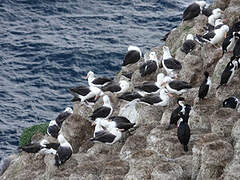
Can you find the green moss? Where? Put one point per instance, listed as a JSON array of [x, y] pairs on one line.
[[186, 29], [27, 133]]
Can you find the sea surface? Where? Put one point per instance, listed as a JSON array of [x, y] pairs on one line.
[[47, 46]]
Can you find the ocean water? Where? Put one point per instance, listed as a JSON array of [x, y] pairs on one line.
[[48, 46]]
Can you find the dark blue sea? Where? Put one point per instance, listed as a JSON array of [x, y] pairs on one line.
[[46, 46]]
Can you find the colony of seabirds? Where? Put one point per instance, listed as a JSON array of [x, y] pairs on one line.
[[108, 128]]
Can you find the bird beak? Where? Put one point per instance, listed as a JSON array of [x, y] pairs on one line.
[[94, 124], [225, 35], [121, 130], [85, 77], [221, 12], [170, 95], [96, 97], [224, 21]]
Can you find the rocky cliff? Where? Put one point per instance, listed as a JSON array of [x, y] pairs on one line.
[[152, 152]]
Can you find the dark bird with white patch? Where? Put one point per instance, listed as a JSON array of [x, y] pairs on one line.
[[64, 151], [97, 81], [133, 55], [229, 43], [205, 86], [170, 64], [189, 44], [116, 87], [55, 125], [193, 10], [160, 99], [231, 102], [150, 66], [103, 112], [228, 73], [130, 96]]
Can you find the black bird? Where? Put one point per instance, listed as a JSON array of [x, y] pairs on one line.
[[55, 125], [228, 72], [122, 122], [64, 151], [133, 55], [183, 132], [148, 68], [103, 112], [119, 119], [229, 42], [231, 102], [130, 96], [193, 10], [116, 87], [205, 86], [236, 49], [175, 114], [108, 136], [189, 44], [97, 81], [40, 147]]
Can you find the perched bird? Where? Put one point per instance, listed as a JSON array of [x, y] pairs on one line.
[[55, 125], [228, 73], [175, 113], [150, 87], [150, 66], [42, 147], [205, 86], [130, 96], [216, 14], [213, 37], [171, 65], [231, 102], [193, 10], [218, 23], [157, 100], [183, 132], [116, 87], [189, 44], [236, 49], [103, 112], [97, 82], [84, 93], [108, 136], [234, 28], [64, 151], [176, 86], [133, 55], [229, 43]]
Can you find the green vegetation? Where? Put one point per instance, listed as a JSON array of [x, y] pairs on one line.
[[27, 133], [186, 29]]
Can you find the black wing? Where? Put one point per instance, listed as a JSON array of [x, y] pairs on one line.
[[31, 148], [112, 87], [230, 102], [101, 112], [209, 35], [207, 11], [188, 46], [152, 99], [104, 137], [172, 63], [191, 12], [130, 96], [179, 85], [203, 89], [175, 115], [148, 68], [226, 42], [125, 126], [62, 117], [236, 50], [148, 87], [52, 145], [131, 57], [183, 133], [101, 80], [119, 119], [127, 74], [82, 90], [53, 130], [62, 155]]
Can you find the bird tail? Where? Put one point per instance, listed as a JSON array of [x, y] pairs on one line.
[[74, 99], [92, 139], [199, 39], [218, 86], [185, 148], [57, 160]]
